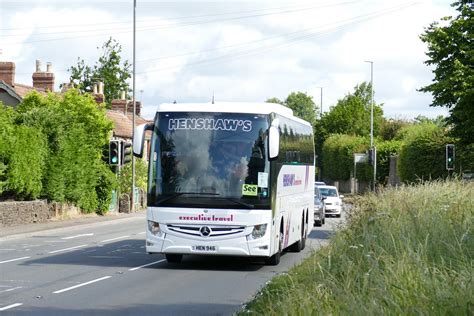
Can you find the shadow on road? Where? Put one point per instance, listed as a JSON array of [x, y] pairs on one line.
[[131, 253]]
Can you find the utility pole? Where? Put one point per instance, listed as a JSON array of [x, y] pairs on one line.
[[372, 119], [134, 105]]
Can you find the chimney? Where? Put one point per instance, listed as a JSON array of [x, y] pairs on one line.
[[138, 106], [7, 72], [119, 105], [43, 80], [98, 92]]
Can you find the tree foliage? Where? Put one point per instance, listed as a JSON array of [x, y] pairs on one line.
[[451, 53], [351, 114], [301, 104], [109, 69]]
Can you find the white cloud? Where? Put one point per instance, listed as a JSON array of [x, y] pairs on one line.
[[324, 46]]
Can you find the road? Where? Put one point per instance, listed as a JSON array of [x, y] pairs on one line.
[[102, 268]]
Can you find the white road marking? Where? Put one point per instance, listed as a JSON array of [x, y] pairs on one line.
[[146, 265], [66, 249], [77, 236], [82, 284], [17, 259], [10, 306], [12, 289], [141, 233], [116, 238]]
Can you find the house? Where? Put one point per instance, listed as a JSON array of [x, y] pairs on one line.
[[12, 93], [121, 113]]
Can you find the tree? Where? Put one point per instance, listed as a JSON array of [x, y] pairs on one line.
[[351, 115], [109, 69], [301, 104], [275, 100], [451, 52]]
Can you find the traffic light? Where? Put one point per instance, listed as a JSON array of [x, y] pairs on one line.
[[126, 152], [450, 157], [114, 153], [370, 157]]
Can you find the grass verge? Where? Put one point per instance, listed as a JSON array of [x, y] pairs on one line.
[[404, 251]]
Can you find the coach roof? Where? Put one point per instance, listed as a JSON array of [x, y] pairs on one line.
[[230, 107]]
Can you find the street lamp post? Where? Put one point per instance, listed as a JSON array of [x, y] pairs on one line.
[[372, 119], [134, 105], [321, 103]]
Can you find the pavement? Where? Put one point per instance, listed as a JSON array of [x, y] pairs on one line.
[[79, 221]]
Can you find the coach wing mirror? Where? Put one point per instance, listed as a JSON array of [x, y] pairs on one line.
[[274, 139], [139, 138]]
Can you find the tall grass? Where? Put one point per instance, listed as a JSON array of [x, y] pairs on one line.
[[404, 251]]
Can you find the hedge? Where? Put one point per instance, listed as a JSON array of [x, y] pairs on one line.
[[423, 154], [52, 147]]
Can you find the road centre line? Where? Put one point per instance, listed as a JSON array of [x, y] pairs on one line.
[[146, 265], [17, 259], [10, 306], [116, 238], [66, 249], [77, 236], [82, 284], [12, 289], [141, 233]]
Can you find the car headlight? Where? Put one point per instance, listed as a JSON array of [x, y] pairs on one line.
[[258, 231], [154, 227]]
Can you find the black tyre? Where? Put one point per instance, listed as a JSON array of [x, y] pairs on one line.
[[318, 223], [300, 244], [304, 229], [275, 259], [173, 258]]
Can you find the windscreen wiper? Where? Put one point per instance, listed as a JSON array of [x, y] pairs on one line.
[[172, 196]]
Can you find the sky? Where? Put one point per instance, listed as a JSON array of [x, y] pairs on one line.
[[190, 51]]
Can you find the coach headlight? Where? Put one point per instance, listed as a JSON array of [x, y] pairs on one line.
[[154, 227], [258, 231]]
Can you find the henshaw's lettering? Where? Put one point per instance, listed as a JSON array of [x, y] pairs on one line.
[[209, 124], [208, 218]]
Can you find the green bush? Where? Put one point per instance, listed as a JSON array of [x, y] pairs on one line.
[[25, 169], [423, 154], [23, 153], [125, 178], [338, 157], [77, 131], [386, 149]]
